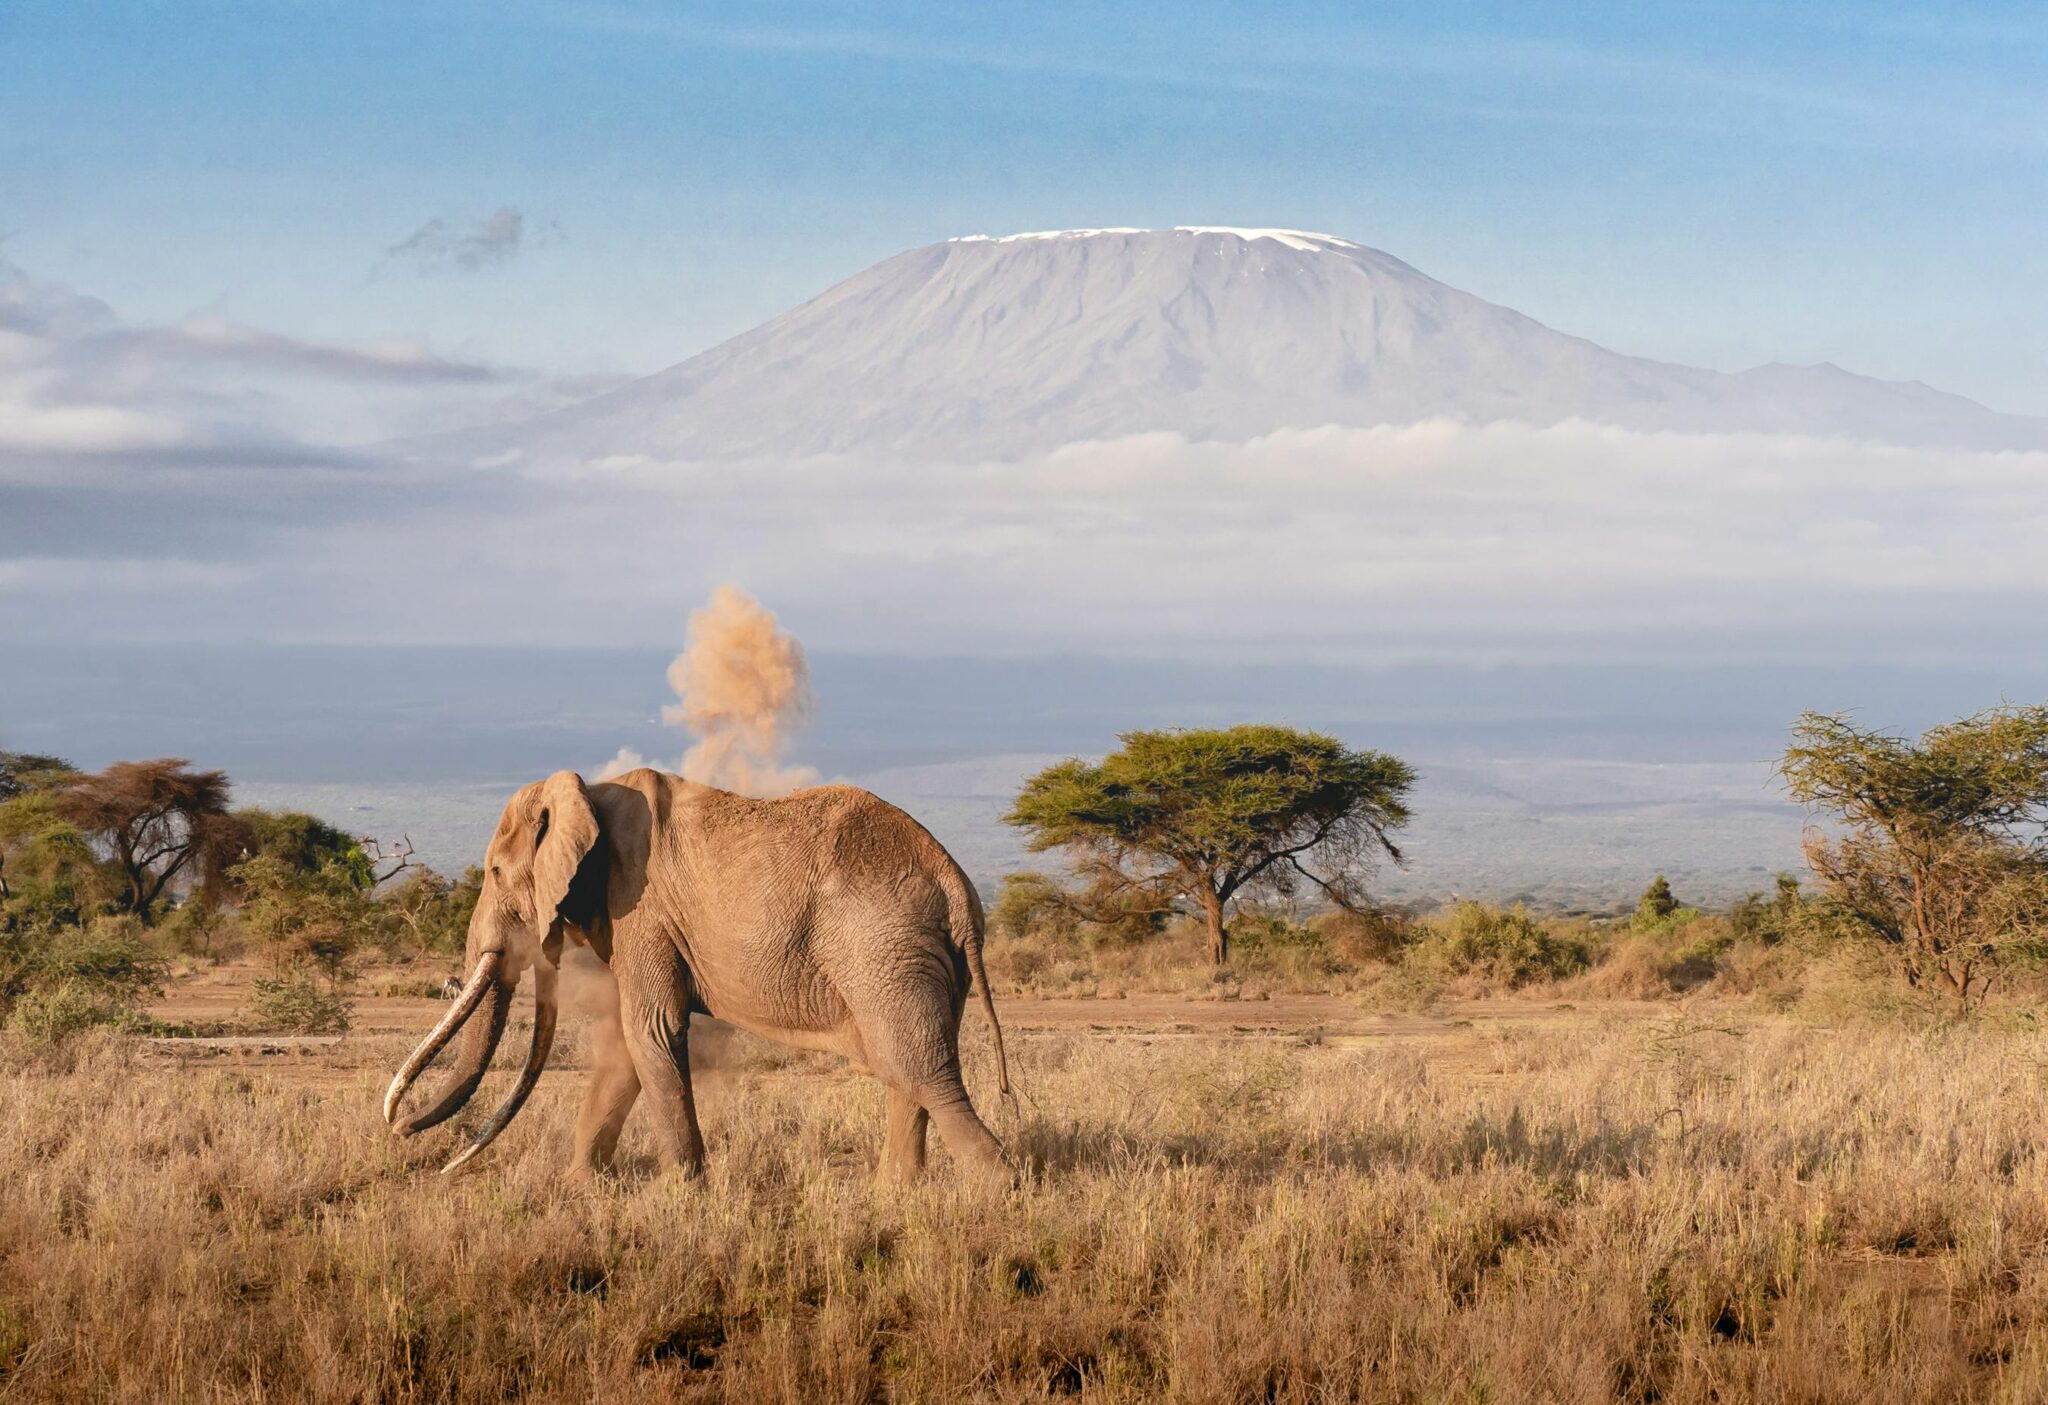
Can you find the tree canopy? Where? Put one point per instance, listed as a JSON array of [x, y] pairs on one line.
[[155, 821], [1205, 814], [1940, 853], [303, 843]]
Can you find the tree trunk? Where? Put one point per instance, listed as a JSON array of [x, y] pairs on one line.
[[1219, 940]]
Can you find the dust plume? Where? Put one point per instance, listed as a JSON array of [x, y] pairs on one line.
[[742, 689]]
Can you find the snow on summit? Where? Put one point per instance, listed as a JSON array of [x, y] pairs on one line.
[[1292, 238], [989, 347]]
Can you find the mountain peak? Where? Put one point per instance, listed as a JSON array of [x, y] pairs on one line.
[[990, 347]]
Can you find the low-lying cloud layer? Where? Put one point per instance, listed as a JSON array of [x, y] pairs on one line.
[[1435, 539]]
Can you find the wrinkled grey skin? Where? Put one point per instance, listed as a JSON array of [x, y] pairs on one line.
[[825, 920]]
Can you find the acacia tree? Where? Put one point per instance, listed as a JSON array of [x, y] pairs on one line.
[[1941, 851], [1204, 815], [154, 821]]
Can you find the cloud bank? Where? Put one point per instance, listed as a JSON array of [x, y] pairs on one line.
[[1429, 540]]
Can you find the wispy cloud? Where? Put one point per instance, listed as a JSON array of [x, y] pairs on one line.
[[217, 340], [437, 247], [1533, 78], [202, 441], [78, 380]]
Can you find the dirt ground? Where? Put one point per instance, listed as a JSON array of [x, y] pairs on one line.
[[1456, 1038]]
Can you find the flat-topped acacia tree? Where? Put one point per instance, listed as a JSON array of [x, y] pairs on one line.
[[1205, 814]]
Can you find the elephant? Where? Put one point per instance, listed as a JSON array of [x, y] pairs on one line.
[[828, 919]]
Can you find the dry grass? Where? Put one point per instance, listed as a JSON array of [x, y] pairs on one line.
[[1583, 1210]]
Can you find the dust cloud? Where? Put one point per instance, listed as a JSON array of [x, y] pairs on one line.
[[743, 688], [742, 691]]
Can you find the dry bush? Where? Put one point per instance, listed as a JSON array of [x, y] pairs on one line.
[[1329, 953], [1597, 1211], [1475, 949], [1666, 961], [296, 1001]]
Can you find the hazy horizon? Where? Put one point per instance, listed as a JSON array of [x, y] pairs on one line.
[[1569, 785]]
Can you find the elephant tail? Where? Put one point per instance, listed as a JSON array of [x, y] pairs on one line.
[[968, 929]]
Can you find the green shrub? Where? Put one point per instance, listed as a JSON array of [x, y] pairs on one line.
[[425, 913], [1657, 902], [1768, 920], [58, 979], [1659, 913], [1504, 945], [1032, 904], [54, 1012], [109, 953], [196, 929], [1364, 938], [297, 1001], [294, 917], [303, 844]]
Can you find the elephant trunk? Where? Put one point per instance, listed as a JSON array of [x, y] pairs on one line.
[[545, 1007], [488, 990]]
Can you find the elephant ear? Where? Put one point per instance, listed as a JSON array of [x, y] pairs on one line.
[[567, 830]]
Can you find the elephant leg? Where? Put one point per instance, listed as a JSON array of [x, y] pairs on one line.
[[960, 1127], [903, 1145], [614, 1084], [916, 1052], [654, 1014]]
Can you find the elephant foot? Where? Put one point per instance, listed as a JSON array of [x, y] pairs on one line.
[[688, 1168], [998, 1173]]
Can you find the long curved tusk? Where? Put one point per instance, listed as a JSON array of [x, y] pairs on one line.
[[544, 1009], [480, 982]]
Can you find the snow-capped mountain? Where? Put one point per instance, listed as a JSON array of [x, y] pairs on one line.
[[986, 347]]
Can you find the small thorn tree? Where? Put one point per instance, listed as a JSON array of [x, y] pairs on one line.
[[1657, 901], [1206, 814]]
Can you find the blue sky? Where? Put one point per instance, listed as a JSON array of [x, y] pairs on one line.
[[1720, 183]]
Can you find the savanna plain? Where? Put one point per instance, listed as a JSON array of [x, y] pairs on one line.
[[1641, 1173]]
